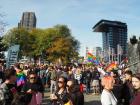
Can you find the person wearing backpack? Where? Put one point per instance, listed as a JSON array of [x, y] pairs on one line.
[[8, 88]]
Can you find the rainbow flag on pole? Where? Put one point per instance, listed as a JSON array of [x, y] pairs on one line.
[[91, 58], [111, 66], [21, 78]]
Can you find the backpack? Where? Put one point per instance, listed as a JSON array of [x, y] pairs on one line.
[[2, 98], [1, 94]]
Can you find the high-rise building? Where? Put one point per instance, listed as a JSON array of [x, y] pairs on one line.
[[114, 35], [28, 20], [98, 52], [87, 50]]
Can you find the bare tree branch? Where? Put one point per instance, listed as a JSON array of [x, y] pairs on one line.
[[3, 24]]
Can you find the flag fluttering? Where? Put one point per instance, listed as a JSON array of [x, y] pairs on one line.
[[111, 66], [91, 58], [21, 78]]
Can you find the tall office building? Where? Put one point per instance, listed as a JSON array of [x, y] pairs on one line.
[[87, 50], [28, 20], [114, 35], [98, 52]]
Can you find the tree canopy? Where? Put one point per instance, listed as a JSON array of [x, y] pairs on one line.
[[56, 43], [3, 48]]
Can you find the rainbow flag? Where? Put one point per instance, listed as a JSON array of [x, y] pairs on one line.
[[93, 59], [21, 78], [111, 66]]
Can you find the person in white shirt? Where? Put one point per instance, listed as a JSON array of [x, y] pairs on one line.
[[107, 96]]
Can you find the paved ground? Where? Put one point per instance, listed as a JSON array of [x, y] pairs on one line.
[[89, 99]]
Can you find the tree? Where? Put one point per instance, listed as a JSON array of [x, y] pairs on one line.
[[19, 36], [2, 23], [133, 54], [2, 45], [52, 44], [133, 40], [64, 47], [39, 43], [2, 48]]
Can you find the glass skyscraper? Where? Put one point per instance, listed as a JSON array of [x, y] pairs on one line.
[[114, 35]]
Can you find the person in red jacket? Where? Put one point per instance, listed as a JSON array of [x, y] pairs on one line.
[[136, 85]]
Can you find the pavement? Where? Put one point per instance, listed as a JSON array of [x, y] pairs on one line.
[[89, 99]]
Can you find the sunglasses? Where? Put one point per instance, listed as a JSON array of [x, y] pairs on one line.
[[33, 78], [60, 82]]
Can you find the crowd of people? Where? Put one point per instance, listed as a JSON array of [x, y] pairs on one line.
[[25, 85]]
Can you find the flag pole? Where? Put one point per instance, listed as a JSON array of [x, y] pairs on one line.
[[109, 54], [118, 49], [112, 55]]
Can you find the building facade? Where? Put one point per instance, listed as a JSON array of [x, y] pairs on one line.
[[114, 35], [99, 52], [28, 21]]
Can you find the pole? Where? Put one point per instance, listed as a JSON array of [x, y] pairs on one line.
[[109, 54], [112, 55], [118, 54]]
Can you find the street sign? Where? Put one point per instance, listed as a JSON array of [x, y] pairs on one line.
[[12, 55]]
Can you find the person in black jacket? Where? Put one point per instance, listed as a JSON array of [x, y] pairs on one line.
[[117, 88], [75, 95], [127, 89], [88, 77], [33, 85], [95, 81], [1, 75]]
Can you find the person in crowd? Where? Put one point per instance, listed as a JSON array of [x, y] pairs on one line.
[[65, 72], [88, 77], [107, 96], [136, 85], [78, 75], [127, 89], [59, 72], [34, 87], [48, 76], [76, 96], [61, 96], [95, 79], [53, 80], [21, 98], [36, 69], [70, 74], [25, 70], [83, 75], [8, 87], [21, 77], [1, 74], [42, 74], [117, 88]]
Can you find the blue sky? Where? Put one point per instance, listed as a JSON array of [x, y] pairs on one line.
[[79, 15]]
